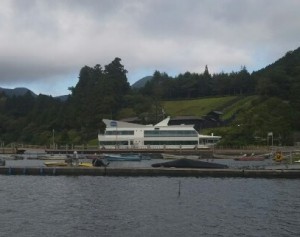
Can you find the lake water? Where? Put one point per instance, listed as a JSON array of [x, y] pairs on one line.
[[148, 206]]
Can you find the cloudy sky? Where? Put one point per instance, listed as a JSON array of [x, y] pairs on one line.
[[45, 43]]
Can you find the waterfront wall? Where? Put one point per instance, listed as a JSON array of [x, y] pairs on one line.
[[175, 172]]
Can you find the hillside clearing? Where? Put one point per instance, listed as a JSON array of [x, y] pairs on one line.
[[197, 107]]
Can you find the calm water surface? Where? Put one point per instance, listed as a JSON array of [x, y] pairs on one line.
[[148, 206]]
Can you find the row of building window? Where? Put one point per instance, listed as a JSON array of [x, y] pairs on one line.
[[156, 133], [116, 132], [193, 142], [208, 141], [168, 133], [113, 143]]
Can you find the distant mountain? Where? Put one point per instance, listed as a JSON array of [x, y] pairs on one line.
[[287, 65], [281, 78], [141, 83], [19, 91]]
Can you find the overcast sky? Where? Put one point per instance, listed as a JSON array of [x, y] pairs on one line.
[[45, 43]]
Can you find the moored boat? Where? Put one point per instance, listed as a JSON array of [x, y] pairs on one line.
[[85, 164], [55, 164], [189, 163], [122, 157], [98, 162], [92, 157], [73, 161], [80, 164]]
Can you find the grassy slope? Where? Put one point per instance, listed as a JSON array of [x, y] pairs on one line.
[[197, 107], [239, 104]]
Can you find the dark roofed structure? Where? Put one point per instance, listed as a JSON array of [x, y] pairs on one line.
[[132, 120], [188, 120], [212, 119], [215, 113]]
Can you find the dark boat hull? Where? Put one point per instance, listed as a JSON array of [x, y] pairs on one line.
[[188, 163]]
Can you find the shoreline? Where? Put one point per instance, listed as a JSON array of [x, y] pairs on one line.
[[284, 171]]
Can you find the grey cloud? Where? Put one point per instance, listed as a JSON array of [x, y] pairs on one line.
[[50, 39]]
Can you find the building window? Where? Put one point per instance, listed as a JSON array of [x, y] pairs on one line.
[[119, 132], [113, 143], [192, 142], [168, 133]]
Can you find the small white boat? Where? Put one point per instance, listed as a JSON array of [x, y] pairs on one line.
[[65, 164]]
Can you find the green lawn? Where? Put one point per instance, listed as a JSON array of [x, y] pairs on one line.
[[196, 107], [244, 102]]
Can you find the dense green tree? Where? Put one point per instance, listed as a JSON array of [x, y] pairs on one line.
[[104, 92], [255, 122]]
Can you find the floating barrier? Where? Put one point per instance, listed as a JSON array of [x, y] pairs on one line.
[[176, 172]]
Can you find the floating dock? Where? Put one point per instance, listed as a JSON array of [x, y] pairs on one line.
[[154, 172]]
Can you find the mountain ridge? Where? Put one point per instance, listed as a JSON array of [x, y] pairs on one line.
[[141, 82], [20, 91]]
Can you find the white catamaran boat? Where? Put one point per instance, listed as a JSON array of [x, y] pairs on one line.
[[125, 135]]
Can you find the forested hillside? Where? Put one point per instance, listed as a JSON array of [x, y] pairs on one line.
[[104, 92]]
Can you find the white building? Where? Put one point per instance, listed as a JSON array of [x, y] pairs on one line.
[[160, 136]]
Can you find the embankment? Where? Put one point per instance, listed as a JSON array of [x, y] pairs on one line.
[[175, 172]]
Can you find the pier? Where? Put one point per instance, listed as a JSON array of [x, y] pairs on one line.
[[151, 172], [137, 151]]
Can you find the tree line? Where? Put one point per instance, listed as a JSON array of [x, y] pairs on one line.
[[195, 85], [104, 92]]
